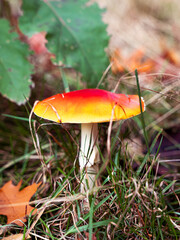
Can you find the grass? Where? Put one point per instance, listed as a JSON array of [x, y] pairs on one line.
[[132, 201], [129, 208]]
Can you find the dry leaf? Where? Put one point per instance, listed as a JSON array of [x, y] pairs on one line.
[[137, 60], [117, 62], [15, 237], [171, 56], [93, 236], [14, 203], [15, 6]]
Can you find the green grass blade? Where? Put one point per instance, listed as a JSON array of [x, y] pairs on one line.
[[142, 114], [65, 82], [18, 118], [94, 225], [91, 213], [13, 162], [168, 186], [148, 154]]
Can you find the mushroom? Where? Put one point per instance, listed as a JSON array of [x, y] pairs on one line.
[[89, 107]]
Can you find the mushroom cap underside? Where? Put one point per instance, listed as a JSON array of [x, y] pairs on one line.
[[88, 106]]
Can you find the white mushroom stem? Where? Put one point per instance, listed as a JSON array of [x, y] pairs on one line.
[[89, 155]]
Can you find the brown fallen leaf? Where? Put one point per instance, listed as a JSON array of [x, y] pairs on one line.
[[137, 60], [170, 54], [93, 236], [15, 204], [118, 65], [15, 237]]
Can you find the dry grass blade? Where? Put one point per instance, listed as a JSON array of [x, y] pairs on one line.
[[136, 192], [163, 117], [176, 226]]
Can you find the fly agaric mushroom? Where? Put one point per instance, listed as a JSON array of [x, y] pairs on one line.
[[88, 107]]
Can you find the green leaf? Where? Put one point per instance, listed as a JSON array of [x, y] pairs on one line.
[[76, 34], [15, 70], [36, 17]]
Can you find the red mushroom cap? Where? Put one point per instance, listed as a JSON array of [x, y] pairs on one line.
[[88, 106]]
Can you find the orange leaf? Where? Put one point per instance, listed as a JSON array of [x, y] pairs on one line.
[[14, 203], [15, 237], [137, 60], [117, 62], [171, 56]]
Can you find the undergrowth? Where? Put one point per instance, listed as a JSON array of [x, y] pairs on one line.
[[132, 200], [137, 196]]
